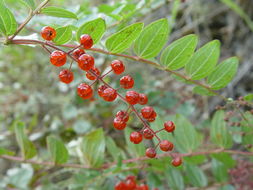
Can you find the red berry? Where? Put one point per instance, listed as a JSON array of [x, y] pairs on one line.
[[119, 123], [58, 58], [147, 133], [86, 41], [123, 115], [77, 53], [101, 90], [166, 145], [143, 187], [177, 161], [120, 186], [109, 94], [135, 137], [86, 62], [131, 177], [152, 117], [132, 97], [66, 76], [169, 126], [130, 184], [143, 99], [126, 82], [84, 91], [48, 33], [147, 112], [151, 153], [117, 67], [90, 76]]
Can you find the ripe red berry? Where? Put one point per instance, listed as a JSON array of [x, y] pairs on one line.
[[86, 41], [66, 76], [147, 112], [152, 117], [123, 115], [120, 186], [90, 75], [130, 184], [84, 91], [117, 67], [109, 94], [147, 133], [58, 58], [135, 137], [166, 145], [86, 62], [143, 99], [48, 33], [142, 187], [126, 82], [177, 161], [77, 53], [169, 126], [151, 153], [119, 123], [101, 90], [132, 97], [131, 177]]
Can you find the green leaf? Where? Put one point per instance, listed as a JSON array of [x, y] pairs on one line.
[[112, 148], [8, 24], [63, 35], [202, 91], [28, 3], [152, 39], [4, 151], [58, 12], [123, 39], [219, 170], [219, 131], [177, 54], [225, 158], [93, 148], [57, 150], [175, 179], [248, 97], [203, 61], [196, 175], [95, 28], [27, 148], [223, 73]]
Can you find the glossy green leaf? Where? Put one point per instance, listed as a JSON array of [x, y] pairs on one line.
[[219, 170], [93, 148], [223, 73], [203, 61], [28, 3], [58, 12], [57, 149], [63, 35], [196, 175], [123, 39], [178, 53], [4, 151], [95, 28], [8, 24], [152, 39], [202, 91], [175, 179], [219, 131], [27, 148]]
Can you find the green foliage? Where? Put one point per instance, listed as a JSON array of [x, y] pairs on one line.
[[57, 149], [152, 39], [8, 24], [28, 3], [58, 12], [95, 28], [63, 35], [4, 151], [27, 148], [175, 179], [196, 176], [202, 91], [123, 39]]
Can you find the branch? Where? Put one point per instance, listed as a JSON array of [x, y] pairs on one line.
[[133, 160]]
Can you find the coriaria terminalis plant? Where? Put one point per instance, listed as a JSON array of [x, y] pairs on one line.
[[173, 141]]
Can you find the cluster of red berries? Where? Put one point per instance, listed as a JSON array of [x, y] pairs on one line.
[[86, 63], [130, 183]]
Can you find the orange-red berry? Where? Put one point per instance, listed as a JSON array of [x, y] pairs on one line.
[[117, 67], [147, 133], [84, 91], [132, 97], [169, 126], [86, 62], [86, 41], [66, 76], [120, 186], [143, 99], [90, 75], [101, 90], [136, 137], [147, 112], [166, 145], [48, 33], [142, 187], [77, 53], [126, 82], [177, 161], [119, 123], [109, 94], [151, 153], [58, 58], [122, 114]]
